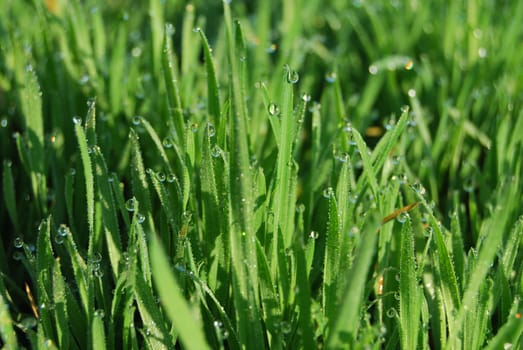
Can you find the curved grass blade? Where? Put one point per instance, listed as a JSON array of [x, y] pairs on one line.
[[178, 310]]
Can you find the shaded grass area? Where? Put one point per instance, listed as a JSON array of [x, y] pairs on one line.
[[305, 174]]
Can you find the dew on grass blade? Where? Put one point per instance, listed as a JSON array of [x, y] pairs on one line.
[[3, 122], [160, 177], [130, 204], [328, 192], [373, 69], [216, 151], [167, 142], [140, 218], [305, 97], [18, 242], [314, 235], [402, 217], [137, 120], [211, 130], [331, 77], [77, 120], [171, 178], [273, 109]]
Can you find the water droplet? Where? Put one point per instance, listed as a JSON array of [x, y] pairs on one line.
[[196, 29], [273, 109], [285, 327], [99, 313], [353, 198], [18, 242], [216, 151], [419, 188], [300, 208], [187, 215], [160, 177], [305, 97], [169, 28], [404, 109], [84, 79], [171, 178], [62, 230], [140, 218], [98, 273], [328, 192], [59, 239], [72, 171], [314, 235], [211, 130], [77, 120], [482, 52], [469, 184], [402, 179], [341, 156], [3, 122], [331, 77], [411, 93], [396, 160], [167, 142], [373, 69], [291, 75], [409, 65], [137, 120], [130, 204], [402, 217], [271, 49], [194, 127]]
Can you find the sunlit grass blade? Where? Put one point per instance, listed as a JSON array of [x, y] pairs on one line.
[[346, 320], [332, 260], [8, 186], [179, 312]]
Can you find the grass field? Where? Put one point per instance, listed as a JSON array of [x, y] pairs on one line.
[[296, 174]]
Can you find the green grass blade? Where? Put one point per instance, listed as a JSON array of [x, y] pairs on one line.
[[88, 173], [332, 260], [213, 93], [8, 185], [410, 297], [346, 321], [178, 310], [7, 333]]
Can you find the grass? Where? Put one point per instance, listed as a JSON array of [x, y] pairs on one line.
[[261, 175]]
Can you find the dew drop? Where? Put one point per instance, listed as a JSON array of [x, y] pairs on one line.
[[194, 127], [402, 179], [273, 109], [99, 313], [469, 184], [305, 97], [216, 151], [391, 313], [167, 142], [411, 93], [211, 130], [402, 217], [196, 29], [62, 230], [171, 178], [482, 52], [18, 255], [77, 120], [169, 28], [293, 77], [84, 79], [331, 77], [160, 177], [137, 120], [314, 235], [140, 218], [18, 242], [341, 156], [328, 192], [404, 109], [419, 188], [130, 204], [59, 239], [409, 65], [373, 69], [72, 171], [3, 122], [271, 49]]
